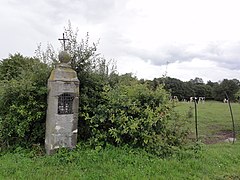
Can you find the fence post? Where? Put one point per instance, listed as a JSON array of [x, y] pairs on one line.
[[196, 124], [233, 124]]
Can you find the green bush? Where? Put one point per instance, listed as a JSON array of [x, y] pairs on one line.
[[125, 113], [139, 117], [23, 101]]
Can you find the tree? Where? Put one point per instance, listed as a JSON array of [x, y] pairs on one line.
[[226, 86], [210, 83], [175, 87], [203, 90], [172, 85], [208, 92], [11, 67], [197, 80], [237, 96], [188, 89]]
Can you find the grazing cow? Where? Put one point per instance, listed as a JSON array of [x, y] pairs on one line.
[[202, 99], [191, 99], [196, 99], [175, 98], [225, 100]]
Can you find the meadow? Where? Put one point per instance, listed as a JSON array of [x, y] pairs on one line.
[[212, 158], [214, 120]]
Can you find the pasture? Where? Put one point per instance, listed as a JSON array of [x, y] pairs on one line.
[[214, 120], [214, 160]]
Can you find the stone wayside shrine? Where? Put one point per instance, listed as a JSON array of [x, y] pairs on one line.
[[62, 111]]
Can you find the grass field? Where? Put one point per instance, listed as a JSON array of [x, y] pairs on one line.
[[218, 160], [214, 120]]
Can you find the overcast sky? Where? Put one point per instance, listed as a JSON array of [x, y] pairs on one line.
[[185, 38]]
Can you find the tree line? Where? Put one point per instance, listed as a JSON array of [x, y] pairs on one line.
[[197, 88]]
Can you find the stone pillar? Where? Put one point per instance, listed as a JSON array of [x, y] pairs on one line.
[[62, 112]]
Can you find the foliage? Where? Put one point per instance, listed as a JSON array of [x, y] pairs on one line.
[[197, 80], [226, 86], [190, 112], [237, 95], [48, 57], [175, 86], [23, 97], [135, 115]]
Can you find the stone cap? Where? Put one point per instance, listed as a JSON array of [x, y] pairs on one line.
[[64, 57], [63, 71]]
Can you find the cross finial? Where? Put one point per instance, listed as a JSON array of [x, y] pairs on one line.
[[64, 40]]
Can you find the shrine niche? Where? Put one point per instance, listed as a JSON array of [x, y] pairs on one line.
[[65, 103]]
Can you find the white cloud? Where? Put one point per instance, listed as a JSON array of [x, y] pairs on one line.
[[203, 69]]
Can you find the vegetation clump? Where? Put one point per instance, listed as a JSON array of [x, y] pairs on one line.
[[139, 117], [23, 103]]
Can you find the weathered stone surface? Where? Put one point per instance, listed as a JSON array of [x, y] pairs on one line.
[[61, 129], [64, 57]]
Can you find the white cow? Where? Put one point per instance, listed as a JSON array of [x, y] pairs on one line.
[[202, 99], [225, 100], [175, 98], [191, 99]]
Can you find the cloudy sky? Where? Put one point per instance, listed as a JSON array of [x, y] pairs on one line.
[[183, 38]]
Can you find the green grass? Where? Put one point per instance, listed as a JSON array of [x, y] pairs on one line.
[[214, 161], [214, 119]]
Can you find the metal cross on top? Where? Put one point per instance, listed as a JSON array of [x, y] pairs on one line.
[[64, 40]]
